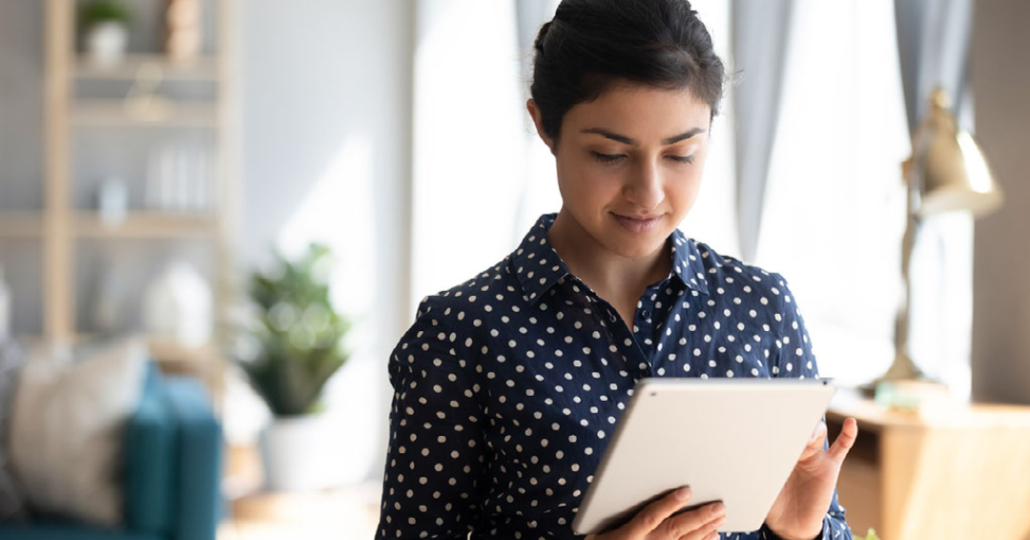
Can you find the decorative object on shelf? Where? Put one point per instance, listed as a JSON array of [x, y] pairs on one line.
[[105, 26], [293, 347], [183, 29], [946, 172], [108, 303], [143, 100], [177, 306], [113, 202], [5, 308], [179, 180]]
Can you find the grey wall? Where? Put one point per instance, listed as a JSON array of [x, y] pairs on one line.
[[314, 76], [1001, 304], [21, 143]]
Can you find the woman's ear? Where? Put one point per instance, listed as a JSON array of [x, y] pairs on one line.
[[534, 112]]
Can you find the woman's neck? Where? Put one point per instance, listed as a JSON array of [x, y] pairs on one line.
[[614, 277]]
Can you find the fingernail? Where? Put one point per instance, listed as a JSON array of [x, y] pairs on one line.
[[718, 508], [683, 493]]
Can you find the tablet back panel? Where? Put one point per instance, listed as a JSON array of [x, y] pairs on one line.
[[731, 440]]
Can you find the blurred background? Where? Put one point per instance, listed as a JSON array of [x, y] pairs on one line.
[[218, 216]]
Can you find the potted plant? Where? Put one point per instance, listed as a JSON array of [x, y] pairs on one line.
[[105, 27], [297, 339]]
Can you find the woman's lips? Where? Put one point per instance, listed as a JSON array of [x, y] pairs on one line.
[[637, 225]]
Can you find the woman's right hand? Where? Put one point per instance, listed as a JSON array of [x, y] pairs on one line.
[[656, 521]]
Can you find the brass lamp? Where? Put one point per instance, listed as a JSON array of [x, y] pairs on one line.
[[946, 172]]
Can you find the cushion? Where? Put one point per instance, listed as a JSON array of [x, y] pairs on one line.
[[67, 427], [12, 499]]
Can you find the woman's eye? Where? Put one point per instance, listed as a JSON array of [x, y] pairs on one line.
[[608, 158], [615, 158], [683, 159]]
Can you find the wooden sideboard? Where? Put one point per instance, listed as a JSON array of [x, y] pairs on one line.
[[951, 471]]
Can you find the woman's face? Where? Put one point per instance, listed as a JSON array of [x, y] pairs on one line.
[[630, 163]]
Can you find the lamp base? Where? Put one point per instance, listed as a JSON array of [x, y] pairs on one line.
[[903, 369]]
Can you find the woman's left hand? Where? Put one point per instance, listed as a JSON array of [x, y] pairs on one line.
[[804, 500]]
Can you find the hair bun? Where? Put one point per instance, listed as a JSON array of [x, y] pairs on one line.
[[539, 43]]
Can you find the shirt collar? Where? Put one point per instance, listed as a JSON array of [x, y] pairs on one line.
[[538, 266], [687, 264]]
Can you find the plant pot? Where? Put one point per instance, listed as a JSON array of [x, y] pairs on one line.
[[106, 42], [303, 453]]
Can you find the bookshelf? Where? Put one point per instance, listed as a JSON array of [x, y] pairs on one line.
[[63, 223]]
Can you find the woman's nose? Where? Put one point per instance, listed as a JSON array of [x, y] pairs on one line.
[[645, 187]]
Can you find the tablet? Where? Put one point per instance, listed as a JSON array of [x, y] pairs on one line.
[[734, 440]]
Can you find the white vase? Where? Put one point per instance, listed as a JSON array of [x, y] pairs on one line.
[[303, 453], [178, 305], [105, 43]]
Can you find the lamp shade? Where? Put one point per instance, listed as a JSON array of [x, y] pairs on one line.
[[955, 175]]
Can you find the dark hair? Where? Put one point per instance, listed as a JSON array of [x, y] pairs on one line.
[[592, 45]]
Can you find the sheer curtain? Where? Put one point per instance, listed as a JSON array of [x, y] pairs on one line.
[[834, 211], [469, 140]]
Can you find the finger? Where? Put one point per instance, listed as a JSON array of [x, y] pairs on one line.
[[700, 521], [711, 536], [652, 516], [846, 440], [704, 530], [705, 534]]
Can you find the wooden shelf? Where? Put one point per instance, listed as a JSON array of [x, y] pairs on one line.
[[150, 66], [60, 225], [148, 225], [121, 113], [21, 224], [907, 470]]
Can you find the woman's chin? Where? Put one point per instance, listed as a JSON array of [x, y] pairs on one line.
[[636, 248]]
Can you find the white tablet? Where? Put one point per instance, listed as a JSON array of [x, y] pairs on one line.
[[734, 440]]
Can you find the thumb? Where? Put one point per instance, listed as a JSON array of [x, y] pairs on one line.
[[815, 443]]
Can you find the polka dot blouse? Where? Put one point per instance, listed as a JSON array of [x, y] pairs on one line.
[[508, 387]]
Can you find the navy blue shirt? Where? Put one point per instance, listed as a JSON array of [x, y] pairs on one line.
[[508, 387]]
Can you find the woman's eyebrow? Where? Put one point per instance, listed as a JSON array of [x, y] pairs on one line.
[[633, 142]]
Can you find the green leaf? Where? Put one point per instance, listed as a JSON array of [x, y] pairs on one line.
[[871, 535], [100, 11], [299, 333]]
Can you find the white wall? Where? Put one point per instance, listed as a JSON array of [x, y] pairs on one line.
[[326, 156]]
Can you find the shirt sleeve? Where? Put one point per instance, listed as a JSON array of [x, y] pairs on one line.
[[436, 447], [795, 357]]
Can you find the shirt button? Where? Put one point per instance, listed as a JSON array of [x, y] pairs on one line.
[[645, 314]]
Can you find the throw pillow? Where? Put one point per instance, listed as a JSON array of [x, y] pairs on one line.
[[12, 500], [67, 427]]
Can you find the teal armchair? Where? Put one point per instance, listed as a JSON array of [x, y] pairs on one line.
[[172, 468]]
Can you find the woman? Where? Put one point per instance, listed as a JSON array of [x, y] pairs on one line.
[[508, 387]]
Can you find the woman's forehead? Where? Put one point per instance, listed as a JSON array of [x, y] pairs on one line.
[[641, 112]]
